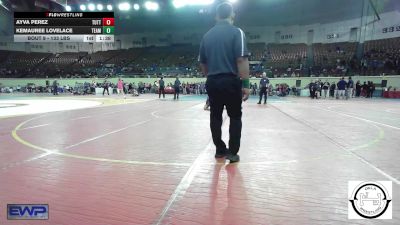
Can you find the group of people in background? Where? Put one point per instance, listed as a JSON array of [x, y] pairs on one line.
[[179, 87], [342, 89], [159, 87]]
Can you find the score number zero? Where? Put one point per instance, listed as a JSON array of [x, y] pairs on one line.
[[107, 23], [103, 22]]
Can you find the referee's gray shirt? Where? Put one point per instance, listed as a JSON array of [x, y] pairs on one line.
[[221, 46]]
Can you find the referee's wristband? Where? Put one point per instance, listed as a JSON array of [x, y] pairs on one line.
[[246, 83]]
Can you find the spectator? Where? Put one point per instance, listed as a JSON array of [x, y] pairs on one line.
[[358, 89], [325, 87], [350, 86], [332, 90], [55, 87], [177, 86], [342, 88]]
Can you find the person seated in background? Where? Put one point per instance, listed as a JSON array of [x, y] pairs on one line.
[[67, 89], [294, 90], [130, 88]]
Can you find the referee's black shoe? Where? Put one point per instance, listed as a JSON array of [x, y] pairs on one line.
[[233, 158], [221, 153]]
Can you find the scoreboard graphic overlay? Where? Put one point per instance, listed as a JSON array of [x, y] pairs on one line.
[[63, 26]]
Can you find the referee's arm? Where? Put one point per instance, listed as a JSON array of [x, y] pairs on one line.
[[203, 60], [243, 67], [204, 69], [242, 60]]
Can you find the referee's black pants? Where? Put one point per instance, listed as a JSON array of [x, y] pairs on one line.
[[225, 90], [263, 91], [161, 91], [106, 89], [176, 93]]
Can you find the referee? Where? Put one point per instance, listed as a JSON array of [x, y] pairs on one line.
[[224, 59], [264, 82], [161, 87]]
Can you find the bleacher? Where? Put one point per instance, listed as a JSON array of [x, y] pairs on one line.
[[151, 57], [19, 60], [257, 51], [4, 55], [65, 58], [123, 57], [333, 53], [332, 58], [381, 49], [180, 55], [284, 55], [98, 58], [382, 56]]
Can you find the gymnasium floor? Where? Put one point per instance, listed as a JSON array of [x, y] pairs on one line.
[[147, 161]]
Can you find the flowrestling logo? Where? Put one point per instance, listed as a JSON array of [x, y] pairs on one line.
[[370, 200], [27, 212]]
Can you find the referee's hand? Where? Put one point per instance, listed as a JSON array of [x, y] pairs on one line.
[[246, 93]]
